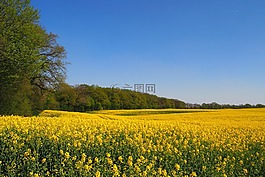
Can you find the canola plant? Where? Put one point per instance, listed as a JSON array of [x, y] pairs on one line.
[[183, 143]]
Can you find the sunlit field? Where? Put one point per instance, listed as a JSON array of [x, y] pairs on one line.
[[123, 143]]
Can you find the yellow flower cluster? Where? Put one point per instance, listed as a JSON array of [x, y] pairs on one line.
[[131, 143]]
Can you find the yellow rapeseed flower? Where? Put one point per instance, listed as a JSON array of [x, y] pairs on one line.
[[177, 166], [193, 174], [67, 155], [96, 160], [98, 174], [120, 158], [108, 154], [61, 152]]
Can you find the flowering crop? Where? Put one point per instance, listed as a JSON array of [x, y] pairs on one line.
[[123, 143]]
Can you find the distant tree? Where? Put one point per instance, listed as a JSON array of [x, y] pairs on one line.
[[248, 106], [98, 106], [226, 106], [101, 97], [141, 101], [84, 102], [152, 102], [66, 96], [126, 100], [179, 104], [215, 105], [51, 102], [114, 100], [260, 106]]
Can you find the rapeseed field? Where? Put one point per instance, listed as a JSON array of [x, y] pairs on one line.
[[184, 143]]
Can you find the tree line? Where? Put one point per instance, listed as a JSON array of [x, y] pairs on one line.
[[83, 98], [215, 105]]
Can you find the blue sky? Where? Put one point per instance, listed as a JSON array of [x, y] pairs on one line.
[[193, 50]]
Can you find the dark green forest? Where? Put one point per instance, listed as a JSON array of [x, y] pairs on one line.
[[83, 98]]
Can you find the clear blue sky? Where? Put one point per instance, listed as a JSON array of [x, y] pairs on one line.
[[193, 50]]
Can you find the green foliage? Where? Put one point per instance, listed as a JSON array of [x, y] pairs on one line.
[[21, 38], [83, 98], [29, 58], [67, 97], [15, 100]]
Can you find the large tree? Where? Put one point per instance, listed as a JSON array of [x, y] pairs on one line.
[[29, 57]]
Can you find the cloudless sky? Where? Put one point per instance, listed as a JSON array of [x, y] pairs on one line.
[[193, 50]]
